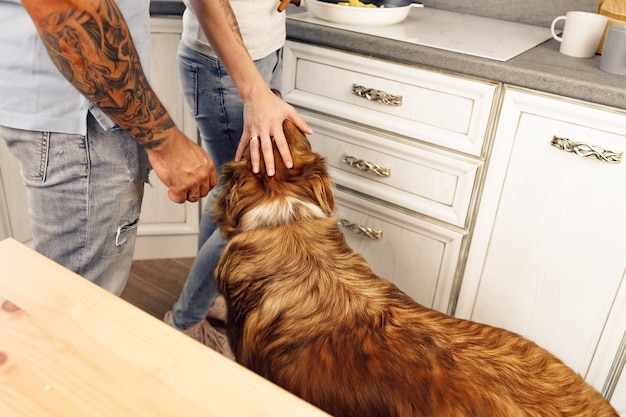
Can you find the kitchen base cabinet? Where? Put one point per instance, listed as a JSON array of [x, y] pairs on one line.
[[167, 229], [548, 255], [405, 146]]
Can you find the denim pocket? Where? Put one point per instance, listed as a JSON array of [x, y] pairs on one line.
[[32, 151], [189, 80]]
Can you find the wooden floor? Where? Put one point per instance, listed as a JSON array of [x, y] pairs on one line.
[[154, 285]]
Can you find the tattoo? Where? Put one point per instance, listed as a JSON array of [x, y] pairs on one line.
[[93, 49], [232, 20]]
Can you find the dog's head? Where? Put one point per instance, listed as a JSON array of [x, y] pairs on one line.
[[249, 201]]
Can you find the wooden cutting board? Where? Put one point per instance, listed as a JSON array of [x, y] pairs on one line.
[[70, 349], [615, 10]]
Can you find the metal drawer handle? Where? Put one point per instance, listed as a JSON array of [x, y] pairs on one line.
[[378, 96], [365, 166], [582, 149], [361, 230]]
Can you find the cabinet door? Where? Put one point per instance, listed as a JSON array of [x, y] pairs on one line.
[[167, 229], [549, 249], [418, 256]]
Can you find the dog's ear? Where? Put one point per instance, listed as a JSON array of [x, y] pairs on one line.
[[226, 208], [310, 167], [323, 190]]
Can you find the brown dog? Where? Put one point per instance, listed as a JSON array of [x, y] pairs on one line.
[[307, 313]]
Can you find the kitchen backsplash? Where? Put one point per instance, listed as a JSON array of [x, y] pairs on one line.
[[533, 12]]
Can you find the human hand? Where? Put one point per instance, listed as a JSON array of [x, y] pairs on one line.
[[264, 114], [184, 167]]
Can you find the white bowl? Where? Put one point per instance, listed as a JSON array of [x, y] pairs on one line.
[[359, 16]]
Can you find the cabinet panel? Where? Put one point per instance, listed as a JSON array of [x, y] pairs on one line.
[[445, 110], [433, 183], [14, 220], [167, 229], [549, 250], [418, 256]]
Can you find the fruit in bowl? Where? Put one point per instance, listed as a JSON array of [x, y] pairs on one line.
[[357, 3]]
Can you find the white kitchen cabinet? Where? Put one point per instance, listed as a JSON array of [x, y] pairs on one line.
[[548, 254], [167, 229], [14, 220], [405, 147]]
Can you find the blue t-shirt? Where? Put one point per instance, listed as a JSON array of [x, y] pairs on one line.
[[34, 95]]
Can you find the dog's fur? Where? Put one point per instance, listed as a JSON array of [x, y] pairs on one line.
[[307, 313]]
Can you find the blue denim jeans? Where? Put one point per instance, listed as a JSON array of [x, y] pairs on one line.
[[84, 196], [218, 110]]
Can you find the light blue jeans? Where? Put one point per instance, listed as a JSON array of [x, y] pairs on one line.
[[218, 110], [84, 196]]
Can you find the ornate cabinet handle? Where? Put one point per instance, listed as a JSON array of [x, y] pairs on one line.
[[378, 96], [365, 166], [361, 230], [582, 149]]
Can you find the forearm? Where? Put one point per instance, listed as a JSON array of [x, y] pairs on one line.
[[264, 112], [221, 29], [91, 45]]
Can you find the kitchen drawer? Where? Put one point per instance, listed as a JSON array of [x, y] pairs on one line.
[[419, 257], [445, 110], [427, 181]]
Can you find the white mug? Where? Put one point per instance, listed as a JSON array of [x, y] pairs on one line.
[[581, 34]]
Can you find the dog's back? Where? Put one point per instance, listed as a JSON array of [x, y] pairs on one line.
[[307, 313]]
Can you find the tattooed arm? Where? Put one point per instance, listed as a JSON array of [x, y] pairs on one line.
[[264, 112], [90, 43]]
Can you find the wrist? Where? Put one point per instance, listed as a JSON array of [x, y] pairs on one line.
[[253, 87], [162, 140]]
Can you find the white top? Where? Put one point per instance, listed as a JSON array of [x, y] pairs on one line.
[[262, 27], [34, 95]]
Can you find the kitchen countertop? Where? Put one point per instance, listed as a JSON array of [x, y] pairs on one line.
[[542, 68], [166, 8]]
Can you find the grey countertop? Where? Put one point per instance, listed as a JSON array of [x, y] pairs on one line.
[[166, 7], [542, 68]]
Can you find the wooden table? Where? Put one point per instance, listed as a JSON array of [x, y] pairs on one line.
[[69, 348]]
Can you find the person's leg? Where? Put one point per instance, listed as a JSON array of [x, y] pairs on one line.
[[199, 292], [217, 108], [214, 102], [201, 78], [84, 197]]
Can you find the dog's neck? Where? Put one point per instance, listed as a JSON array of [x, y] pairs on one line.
[[280, 212]]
